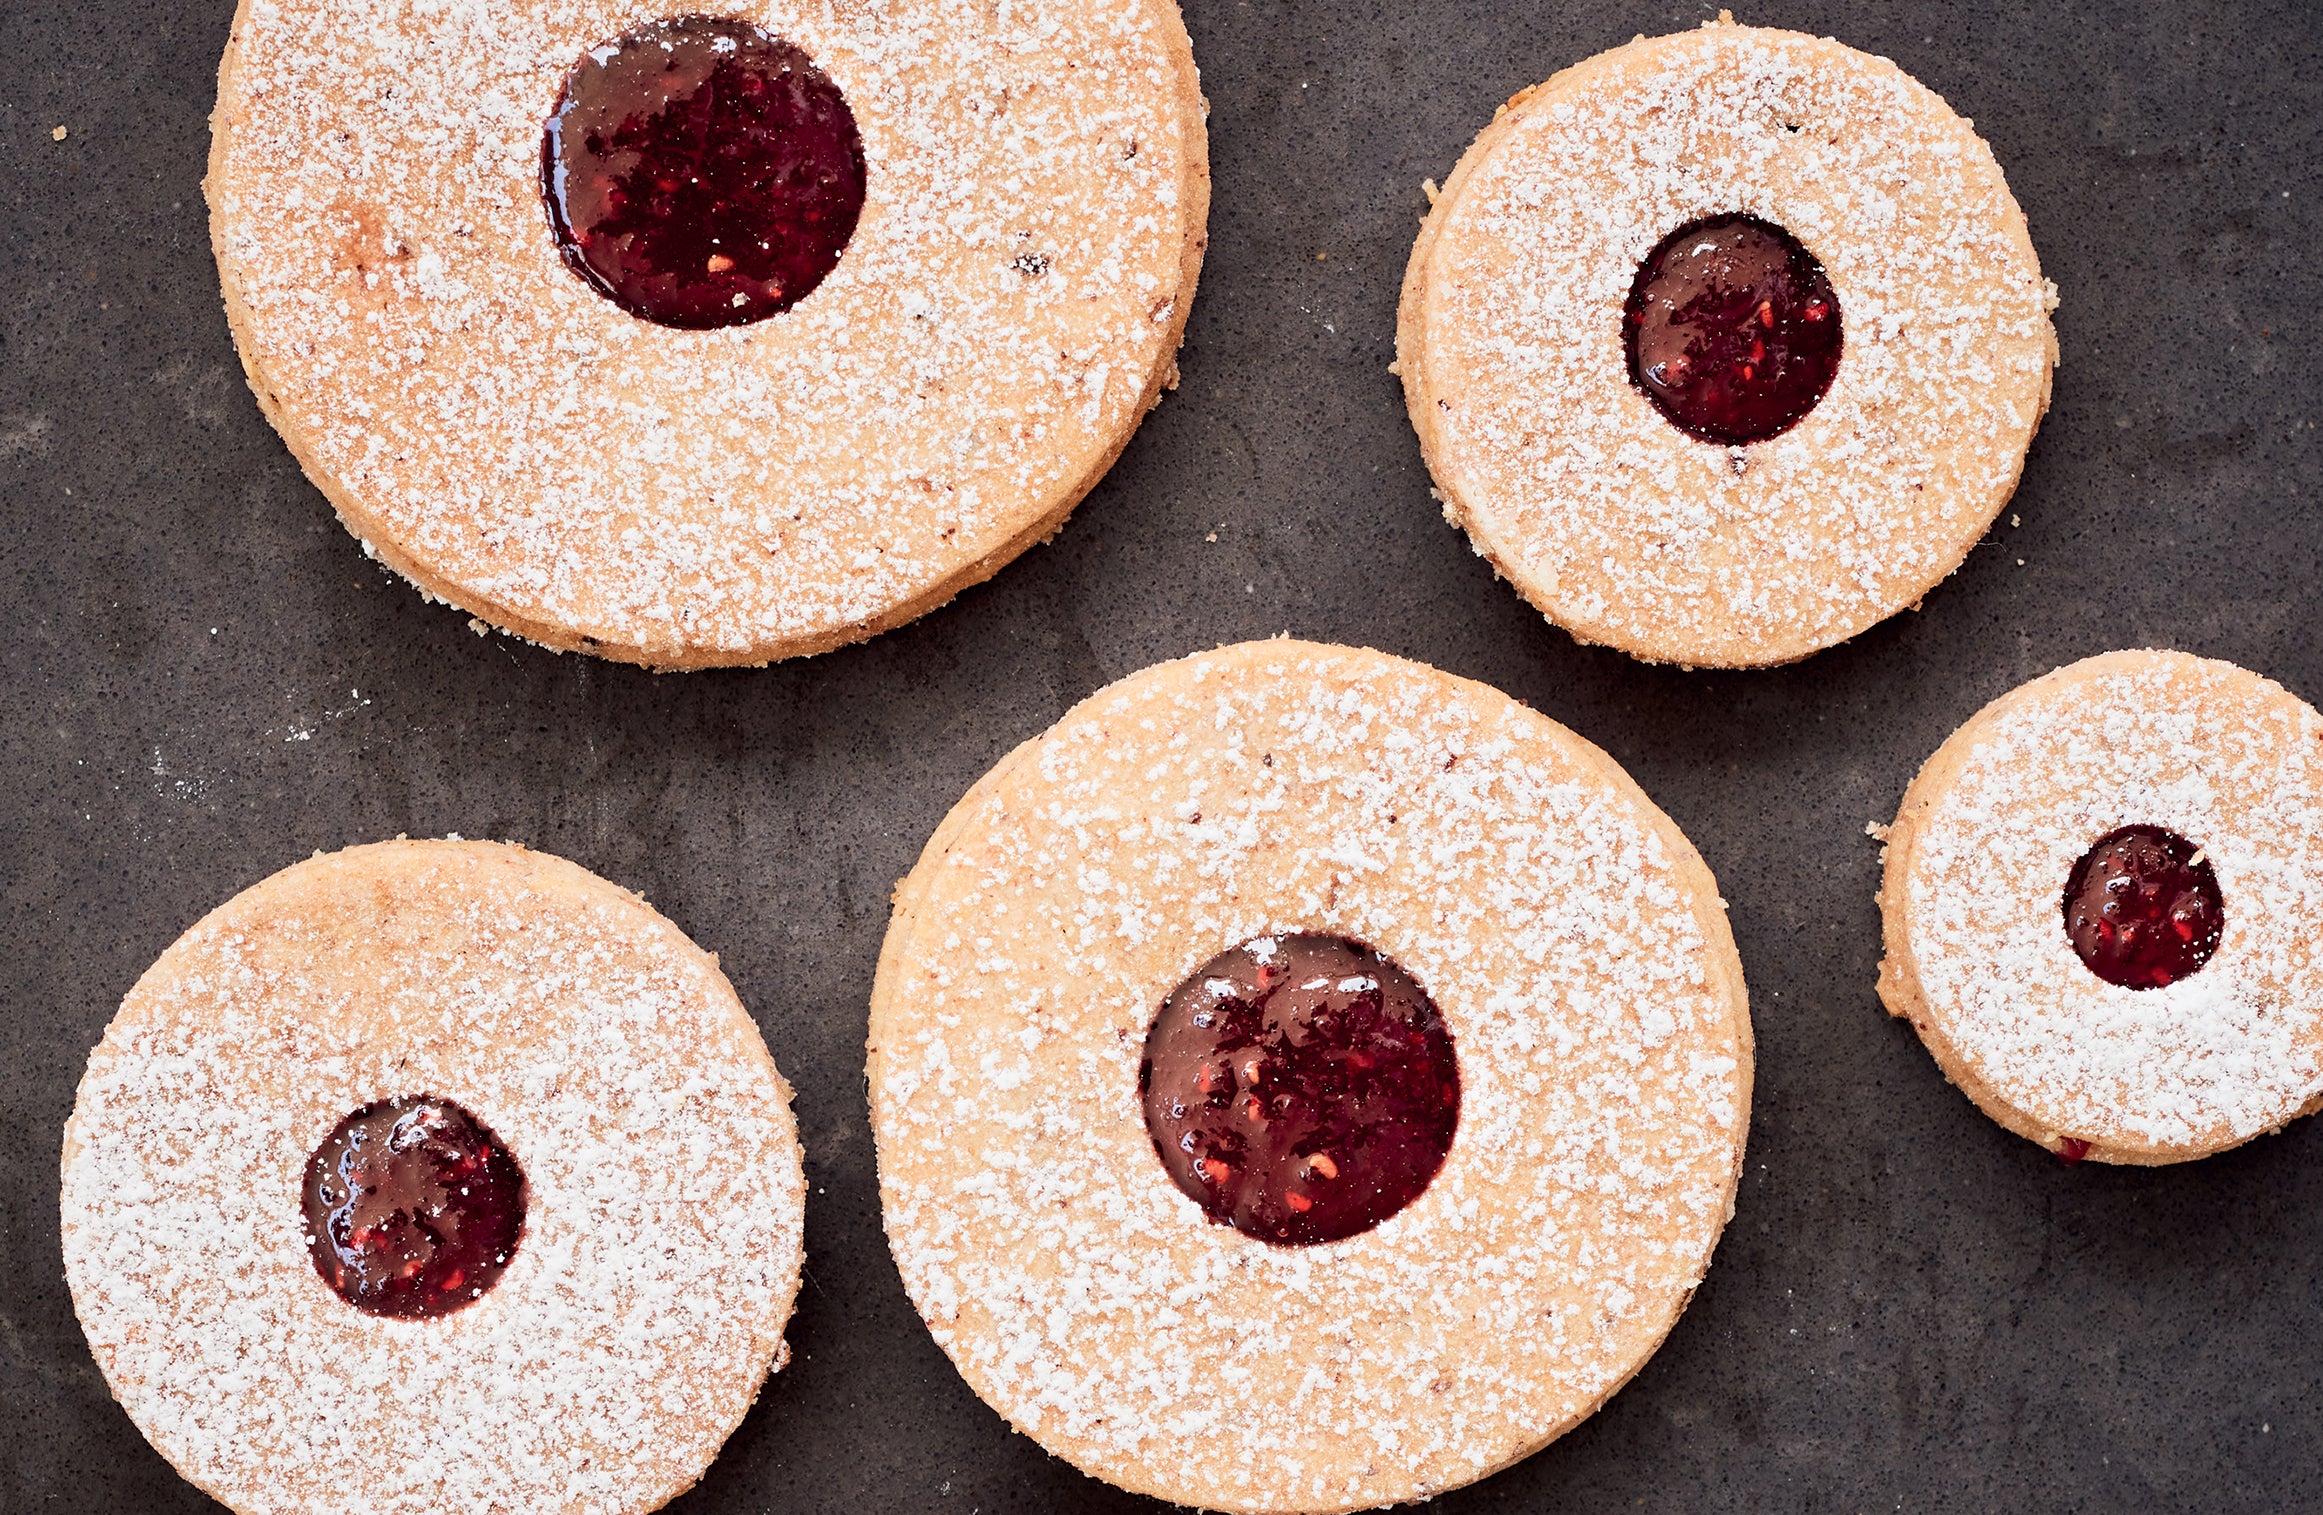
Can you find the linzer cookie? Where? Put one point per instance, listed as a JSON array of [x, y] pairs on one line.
[[690, 339], [1305, 1080], [1724, 346], [2104, 908], [434, 1176]]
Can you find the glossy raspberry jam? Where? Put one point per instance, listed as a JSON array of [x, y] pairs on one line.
[[1300, 1089], [1732, 329], [2142, 907], [700, 172], [413, 1207]]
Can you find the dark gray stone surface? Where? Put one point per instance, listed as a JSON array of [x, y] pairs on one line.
[[202, 679]]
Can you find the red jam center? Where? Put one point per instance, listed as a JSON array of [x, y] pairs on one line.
[[1300, 1088], [413, 1208], [1732, 329], [2143, 908], [700, 172]]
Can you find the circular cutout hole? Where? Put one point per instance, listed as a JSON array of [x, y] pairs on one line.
[[1300, 1089], [701, 172], [1732, 329], [413, 1208], [2142, 907]]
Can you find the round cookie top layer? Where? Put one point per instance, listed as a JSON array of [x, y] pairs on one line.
[[2103, 1058], [1619, 525], [1005, 311], [1574, 945], [643, 1307]]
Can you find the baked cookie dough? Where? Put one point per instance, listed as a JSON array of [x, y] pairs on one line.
[[2104, 908], [1411, 848], [494, 425], [297, 1144], [1645, 432]]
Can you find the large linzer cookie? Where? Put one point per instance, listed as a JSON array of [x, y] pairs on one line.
[[1724, 346], [2104, 908], [434, 1176], [694, 339], [1305, 1080]]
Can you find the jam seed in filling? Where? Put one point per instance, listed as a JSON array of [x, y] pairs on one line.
[[413, 1208], [2142, 907], [700, 172], [1300, 1089], [1732, 329]]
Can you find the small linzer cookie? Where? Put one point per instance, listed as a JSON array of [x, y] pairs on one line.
[[434, 1176], [706, 339], [2104, 908], [1724, 346], [1305, 1080]]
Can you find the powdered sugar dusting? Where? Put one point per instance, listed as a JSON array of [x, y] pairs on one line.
[[2224, 758], [646, 1299], [1264, 789], [1012, 294], [1617, 524]]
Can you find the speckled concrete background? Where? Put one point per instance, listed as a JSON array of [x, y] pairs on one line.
[[202, 679]]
